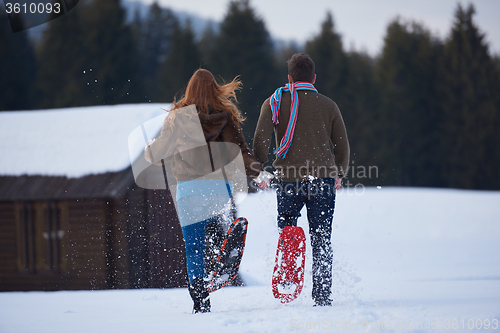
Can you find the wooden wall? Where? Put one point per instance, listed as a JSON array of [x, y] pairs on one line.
[[8, 250], [63, 250], [165, 242], [132, 242], [85, 245]]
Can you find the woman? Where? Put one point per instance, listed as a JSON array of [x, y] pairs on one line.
[[199, 197]]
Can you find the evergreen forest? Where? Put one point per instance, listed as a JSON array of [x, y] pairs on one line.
[[424, 112]]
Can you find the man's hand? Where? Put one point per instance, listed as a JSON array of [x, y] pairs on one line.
[[263, 180], [338, 183]]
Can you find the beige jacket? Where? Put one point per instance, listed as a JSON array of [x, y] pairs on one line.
[[193, 163]]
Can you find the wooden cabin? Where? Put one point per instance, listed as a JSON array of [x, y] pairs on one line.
[[63, 227]]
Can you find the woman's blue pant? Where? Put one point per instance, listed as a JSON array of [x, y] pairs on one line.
[[194, 240], [198, 201]]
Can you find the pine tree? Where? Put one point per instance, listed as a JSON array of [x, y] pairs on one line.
[[348, 80], [408, 71], [243, 47], [17, 67], [471, 110], [111, 58], [206, 46], [61, 78], [330, 60], [361, 102], [181, 62], [155, 35]]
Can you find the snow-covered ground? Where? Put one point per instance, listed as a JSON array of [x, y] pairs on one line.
[[406, 260]]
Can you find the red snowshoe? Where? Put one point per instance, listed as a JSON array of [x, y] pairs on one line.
[[288, 274]]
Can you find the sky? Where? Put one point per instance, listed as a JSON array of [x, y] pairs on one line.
[[361, 23]]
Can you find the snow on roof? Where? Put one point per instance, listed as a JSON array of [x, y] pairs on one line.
[[71, 142]]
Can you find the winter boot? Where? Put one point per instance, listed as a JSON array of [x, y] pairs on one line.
[[199, 294], [321, 296], [323, 302]]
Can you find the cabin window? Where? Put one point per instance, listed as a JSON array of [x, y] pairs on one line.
[[39, 237]]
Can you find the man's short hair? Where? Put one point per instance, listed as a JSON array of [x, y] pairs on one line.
[[301, 67]]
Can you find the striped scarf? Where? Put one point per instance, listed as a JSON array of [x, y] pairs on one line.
[[274, 104]]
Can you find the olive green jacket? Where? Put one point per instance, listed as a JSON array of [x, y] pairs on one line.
[[319, 148]]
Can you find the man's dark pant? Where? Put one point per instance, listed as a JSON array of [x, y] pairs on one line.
[[319, 197]]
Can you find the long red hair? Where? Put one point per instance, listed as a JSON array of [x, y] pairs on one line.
[[204, 91]]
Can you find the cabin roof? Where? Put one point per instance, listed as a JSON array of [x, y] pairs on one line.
[[70, 153]]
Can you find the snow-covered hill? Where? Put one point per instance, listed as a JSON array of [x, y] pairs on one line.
[[406, 260]]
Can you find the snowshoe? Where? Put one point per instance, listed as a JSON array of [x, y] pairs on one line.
[[288, 273], [225, 260]]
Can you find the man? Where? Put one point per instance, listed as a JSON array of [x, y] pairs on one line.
[[311, 159]]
